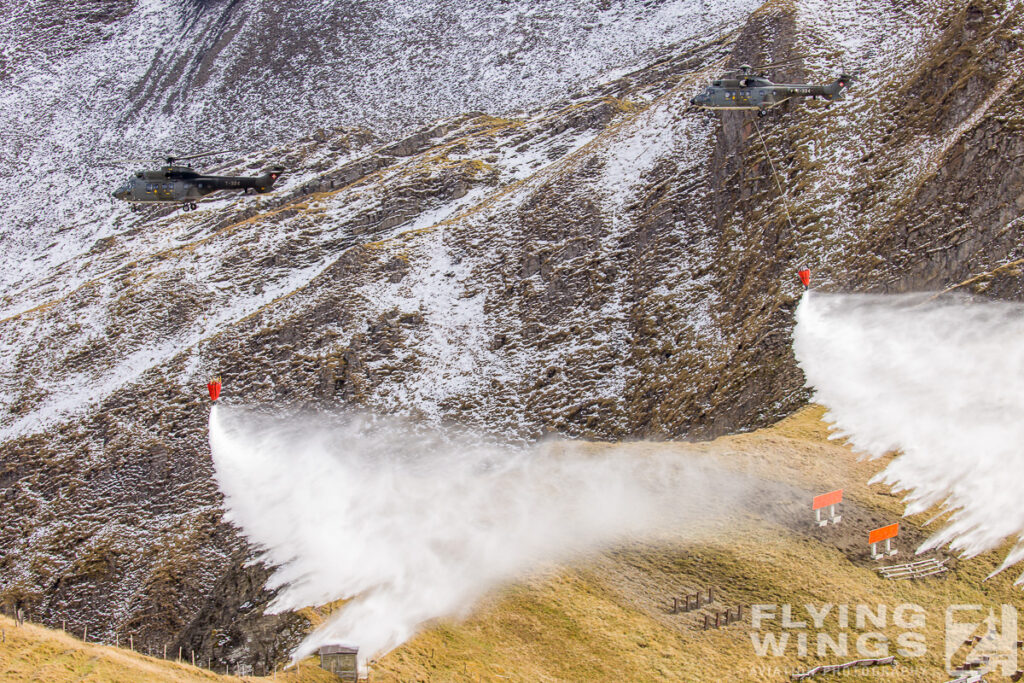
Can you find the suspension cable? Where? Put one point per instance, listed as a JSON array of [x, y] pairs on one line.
[[782, 193]]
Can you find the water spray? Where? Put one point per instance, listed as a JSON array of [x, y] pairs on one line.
[[409, 524], [941, 380]]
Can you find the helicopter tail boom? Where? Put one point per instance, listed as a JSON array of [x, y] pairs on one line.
[[267, 180], [834, 90]]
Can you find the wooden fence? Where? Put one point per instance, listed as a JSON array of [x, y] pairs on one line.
[[22, 616], [915, 570], [690, 603], [725, 618], [829, 668]]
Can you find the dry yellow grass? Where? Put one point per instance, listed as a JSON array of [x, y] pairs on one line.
[[585, 623], [34, 653], [606, 618]]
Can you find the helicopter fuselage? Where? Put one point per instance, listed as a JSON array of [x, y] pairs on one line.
[[177, 184], [752, 92]]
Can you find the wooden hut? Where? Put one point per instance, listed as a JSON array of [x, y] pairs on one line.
[[340, 660]]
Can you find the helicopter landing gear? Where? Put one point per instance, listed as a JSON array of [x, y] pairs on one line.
[[761, 113], [194, 206], [189, 206]]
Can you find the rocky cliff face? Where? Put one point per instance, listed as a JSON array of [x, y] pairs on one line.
[[608, 265]]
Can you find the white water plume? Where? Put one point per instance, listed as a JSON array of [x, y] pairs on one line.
[[410, 525], [942, 381]]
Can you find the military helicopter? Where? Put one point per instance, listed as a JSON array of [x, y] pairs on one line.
[[743, 89], [184, 185]]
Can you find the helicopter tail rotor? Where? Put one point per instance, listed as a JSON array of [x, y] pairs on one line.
[[834, 90]]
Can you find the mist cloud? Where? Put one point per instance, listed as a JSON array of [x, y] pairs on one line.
[[941, 380], [410, 525]]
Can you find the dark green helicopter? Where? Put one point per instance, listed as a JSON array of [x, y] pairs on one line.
[[184, 185], [742, 89]]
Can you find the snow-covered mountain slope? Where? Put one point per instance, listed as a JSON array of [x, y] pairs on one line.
[[609, 263], [107, 80]]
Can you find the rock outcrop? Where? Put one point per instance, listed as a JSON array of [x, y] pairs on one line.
[[612, 266]]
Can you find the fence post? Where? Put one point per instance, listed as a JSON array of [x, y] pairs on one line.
[[131, 642], [675, 605], [705, 622], [179, 653], [85, 633], [711, 594]]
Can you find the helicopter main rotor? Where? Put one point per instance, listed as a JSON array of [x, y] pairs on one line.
[[169, 159], [747, 69]]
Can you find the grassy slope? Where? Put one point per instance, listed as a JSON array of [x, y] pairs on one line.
[[34, 653], [590, 622], [607, 618]]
